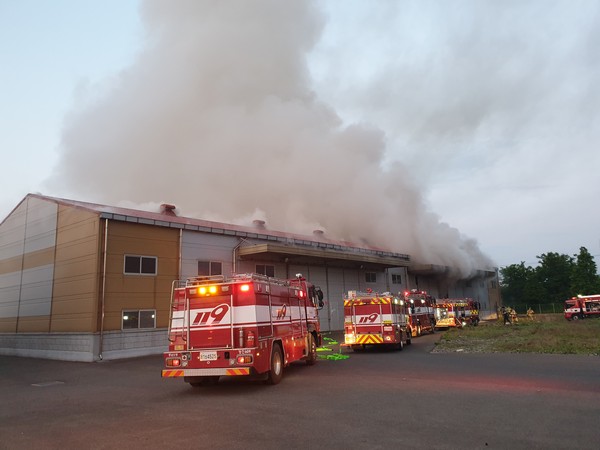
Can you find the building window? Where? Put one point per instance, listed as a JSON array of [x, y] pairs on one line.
[[370, 277], [136, 319], [140, 265], [210, 268], [265, 269], [396, 278]]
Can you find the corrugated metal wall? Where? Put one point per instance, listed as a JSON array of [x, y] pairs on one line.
[[27, 242]]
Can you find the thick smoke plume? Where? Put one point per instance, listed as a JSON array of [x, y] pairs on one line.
[[217, 115]]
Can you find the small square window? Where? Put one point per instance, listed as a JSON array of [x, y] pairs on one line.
[[370, 277], [132, 264], [265, 269], [216, 268], [136, 319], [206, 268], [140, 265], [396, 278], [148, 319], [203, 267], [148, 265], [131, 320]]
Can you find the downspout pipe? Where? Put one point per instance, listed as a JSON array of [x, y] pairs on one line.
[[103, 296], [233, 256]]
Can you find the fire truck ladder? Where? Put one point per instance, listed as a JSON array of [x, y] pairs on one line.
[[176, 305], [204, 279], [259, 277]]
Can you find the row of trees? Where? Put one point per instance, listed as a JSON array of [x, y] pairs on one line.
[[556, 278]]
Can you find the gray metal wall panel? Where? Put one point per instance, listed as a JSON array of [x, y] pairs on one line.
[[205, 247], [36, 291], [12, 233], [249, 266], [397, 288], [30, 228], [10, 284], [340, 282], [41, 225]]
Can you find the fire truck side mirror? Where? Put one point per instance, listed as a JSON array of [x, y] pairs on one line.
[[320, 297]]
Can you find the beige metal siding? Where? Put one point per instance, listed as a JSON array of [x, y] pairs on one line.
[[76, 275], [139, 291]]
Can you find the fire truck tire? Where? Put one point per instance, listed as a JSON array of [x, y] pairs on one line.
[[419, 330], [408, 338], [311, 358], [276, 372], [400, 345], [575, 317]]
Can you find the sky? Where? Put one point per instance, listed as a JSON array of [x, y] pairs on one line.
[[464, 133]]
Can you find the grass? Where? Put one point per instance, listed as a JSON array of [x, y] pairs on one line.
[[551, 335]]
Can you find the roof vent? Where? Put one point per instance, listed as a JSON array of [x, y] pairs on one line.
[[318, 232], [259, 224], [168, 210]]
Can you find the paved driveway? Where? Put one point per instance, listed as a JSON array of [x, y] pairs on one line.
[[372, 400]]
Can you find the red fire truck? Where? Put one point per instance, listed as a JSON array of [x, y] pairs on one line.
[[420, 312], [582, 306], [374, 319], [456, 312], [246, 324]]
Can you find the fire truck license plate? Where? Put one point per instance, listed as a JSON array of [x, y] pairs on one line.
[[208, 356]]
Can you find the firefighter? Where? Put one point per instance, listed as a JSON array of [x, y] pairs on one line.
[[530, 314], [505, 315], [513, 316]]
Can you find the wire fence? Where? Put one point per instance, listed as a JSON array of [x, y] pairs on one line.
[[541, 308]]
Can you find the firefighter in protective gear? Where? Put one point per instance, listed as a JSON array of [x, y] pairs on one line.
[[505, 315], [530, 314], [513, 315]]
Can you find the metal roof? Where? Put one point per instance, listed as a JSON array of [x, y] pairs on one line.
[[279, 243]]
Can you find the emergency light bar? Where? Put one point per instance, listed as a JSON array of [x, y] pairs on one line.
[[207, 291]]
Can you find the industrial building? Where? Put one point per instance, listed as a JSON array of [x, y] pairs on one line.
[[83, 282]]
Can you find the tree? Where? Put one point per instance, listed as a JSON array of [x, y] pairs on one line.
[[554, 275], [584, 276], [514, 281], [556, 278]]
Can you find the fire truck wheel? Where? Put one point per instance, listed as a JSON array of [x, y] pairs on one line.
[[311, 358], [408, 338], [276, 372], [400, 345], [419, 330], [575, 317]]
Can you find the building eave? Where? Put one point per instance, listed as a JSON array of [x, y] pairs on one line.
[[294, 254]]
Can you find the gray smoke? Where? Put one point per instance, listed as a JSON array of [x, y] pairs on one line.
[[218, 115]]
